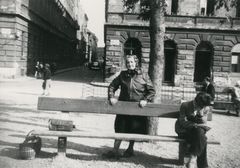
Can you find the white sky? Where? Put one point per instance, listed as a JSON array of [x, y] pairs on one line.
[[95, 10]]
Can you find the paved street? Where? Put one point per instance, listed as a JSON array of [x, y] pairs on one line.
[[19, 115], [75, 83]]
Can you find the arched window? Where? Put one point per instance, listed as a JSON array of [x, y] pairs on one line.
[[235, 62], [203, 61], [133, 47], [170, 52]]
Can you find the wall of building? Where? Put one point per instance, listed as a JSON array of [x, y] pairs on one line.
[[82, 34], [115, 39], [185, 7], [187, 30], [186, 44], [33, 31]]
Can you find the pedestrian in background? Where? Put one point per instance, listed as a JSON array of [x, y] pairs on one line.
[[53, 68], [208, 87], [235, 97], [234, 91], [191, 125], [46, 80], [135, 87], [37, 70]]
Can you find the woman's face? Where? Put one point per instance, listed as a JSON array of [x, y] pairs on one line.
[[131, 64]]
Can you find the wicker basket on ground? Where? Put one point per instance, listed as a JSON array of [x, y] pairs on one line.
[[30, 147]]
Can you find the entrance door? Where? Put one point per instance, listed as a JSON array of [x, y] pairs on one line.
[[170, 61], [203, 61]]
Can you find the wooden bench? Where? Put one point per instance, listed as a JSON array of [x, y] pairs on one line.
[[103, 107], [223, 102], [225, 106]]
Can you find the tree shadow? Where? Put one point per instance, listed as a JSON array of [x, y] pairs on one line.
[[140, 158], [11, 130], [28, 93], [21, 122], [82, 74], [10, 151], [225, 112], [86, 153], [12, 108]]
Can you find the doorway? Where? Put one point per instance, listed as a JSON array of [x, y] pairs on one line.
[[170, 51], [133, 47], [203, 61]]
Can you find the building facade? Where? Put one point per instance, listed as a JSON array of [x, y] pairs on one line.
[[200, 40], [36, 30]]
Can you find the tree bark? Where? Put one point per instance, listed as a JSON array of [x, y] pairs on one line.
[[157, 32]]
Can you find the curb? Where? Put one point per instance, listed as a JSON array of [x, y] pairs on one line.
[[99, 84], [65, 70]]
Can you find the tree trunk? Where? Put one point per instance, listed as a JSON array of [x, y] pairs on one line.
[[157, 31]]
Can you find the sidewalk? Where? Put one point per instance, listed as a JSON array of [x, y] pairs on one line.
[[70, 83], [19, 115], [24, 78]]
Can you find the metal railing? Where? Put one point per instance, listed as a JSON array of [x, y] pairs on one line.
[[170, 94]]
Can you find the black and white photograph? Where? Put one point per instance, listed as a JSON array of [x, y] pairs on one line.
[[119, 83]]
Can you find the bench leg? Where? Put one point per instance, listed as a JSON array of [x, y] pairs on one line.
[[237, 109], [209, 116], [62, 146], [182, 152]]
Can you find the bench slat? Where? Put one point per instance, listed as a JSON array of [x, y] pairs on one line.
[[121, 136], [102, 106]]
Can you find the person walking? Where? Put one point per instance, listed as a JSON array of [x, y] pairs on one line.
[[46, 80], [37, 70], [135, 87], [191, 125]]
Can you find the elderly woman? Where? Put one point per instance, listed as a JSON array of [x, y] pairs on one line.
[[192, 126], [135, 87]]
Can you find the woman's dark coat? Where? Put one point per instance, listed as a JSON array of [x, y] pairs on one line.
[[134, 86]]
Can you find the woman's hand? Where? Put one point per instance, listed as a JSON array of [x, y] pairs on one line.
[[113, 101], [142, 103], [203, 126]]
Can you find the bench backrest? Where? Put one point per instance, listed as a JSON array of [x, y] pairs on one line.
[[103, 107]]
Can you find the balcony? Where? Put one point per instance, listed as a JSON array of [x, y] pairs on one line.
[[177, 21]]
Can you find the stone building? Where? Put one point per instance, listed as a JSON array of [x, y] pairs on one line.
[[82, 35], [200, 40], [37, 30]]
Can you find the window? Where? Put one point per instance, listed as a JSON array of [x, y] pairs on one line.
[[134, 9], [203, 5], [210, 7], [235, 61], [238, 9], [174, 7]]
